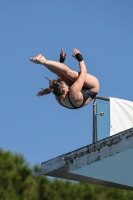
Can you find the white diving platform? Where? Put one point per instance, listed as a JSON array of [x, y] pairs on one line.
[[108, 162]]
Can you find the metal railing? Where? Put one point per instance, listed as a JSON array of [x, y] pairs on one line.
[[95, 116]]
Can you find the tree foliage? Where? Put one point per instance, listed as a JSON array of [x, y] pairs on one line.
[[20, 182]]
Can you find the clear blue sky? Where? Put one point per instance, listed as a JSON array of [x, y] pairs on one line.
[[39, 128]]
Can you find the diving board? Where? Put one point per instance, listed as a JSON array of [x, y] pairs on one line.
[[108, 162]]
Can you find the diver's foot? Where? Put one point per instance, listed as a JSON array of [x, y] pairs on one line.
[[39, 59]]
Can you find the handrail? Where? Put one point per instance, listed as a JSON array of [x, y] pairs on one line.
[[94, 122], [95, 116], [102, 98]]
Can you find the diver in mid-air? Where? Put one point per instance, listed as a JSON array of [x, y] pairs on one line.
[[72, 89]]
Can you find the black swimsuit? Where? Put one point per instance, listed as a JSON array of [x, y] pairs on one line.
[[86, 94]]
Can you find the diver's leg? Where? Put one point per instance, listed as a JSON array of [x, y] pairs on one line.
[[91, 82], [39, 59], [54, 66]]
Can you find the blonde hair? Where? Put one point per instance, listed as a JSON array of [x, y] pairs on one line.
[[55, 86]]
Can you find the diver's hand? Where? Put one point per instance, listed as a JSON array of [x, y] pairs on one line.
[[75, 51], [62, 56], [77, 54]]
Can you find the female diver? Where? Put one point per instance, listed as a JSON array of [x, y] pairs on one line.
[[72, 89]]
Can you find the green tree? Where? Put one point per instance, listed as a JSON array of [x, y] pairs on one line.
[[16, 182], [20, 182]]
